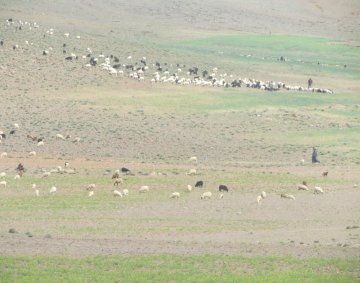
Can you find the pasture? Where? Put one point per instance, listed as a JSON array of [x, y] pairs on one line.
[[245, 138]]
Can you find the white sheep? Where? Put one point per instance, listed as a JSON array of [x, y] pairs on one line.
[[221, 196], [16, 125], [3, 154], [40, 143], [125, 192], [2, 174], [91, 193], [3, 183], [193, 158], [33, 186], [17, 177], [258, 199], [37, 193], [76, 140], [318, 190], [32, 153], [60, 136], [53, 189], [175, 195], [189, 188], [206, 195], [144, 189], [118, 181], [303, 187], [192, 172], [117, 193], [288, 196]]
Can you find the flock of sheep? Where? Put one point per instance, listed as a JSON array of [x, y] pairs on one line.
[[157, 72]]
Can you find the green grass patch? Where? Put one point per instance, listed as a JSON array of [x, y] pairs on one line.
[[175, 268]]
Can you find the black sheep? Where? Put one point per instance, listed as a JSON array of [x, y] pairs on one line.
[[223, 188], [199, 184]]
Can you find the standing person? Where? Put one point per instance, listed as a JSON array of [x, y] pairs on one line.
[[310, 82], [314, 156]]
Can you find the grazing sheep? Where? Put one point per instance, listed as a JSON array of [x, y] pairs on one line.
[[318, 190], [77, 140], [125, 170], [189, 188], [60, 136], [193, 158], [118, 181], [32, 153], [144, 189], [46, 174], [67, 164], [33, 186], [324, 174], [263, 195], [199, 184], [116, 175], [206, 195], [2, 174], [223, 188], [125, 192], [37, 193], [91, 193], [258, 199], [3, 154], [17, 177], [117, 193], [40, 143], [303, 187], [90, 187], [16, 125], [221, 196], [288, 196], [53, 189], [191, 172], [175, 195], [3, 183]]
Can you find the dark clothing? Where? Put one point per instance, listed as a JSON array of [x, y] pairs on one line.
[[310, 82], [314, 156]]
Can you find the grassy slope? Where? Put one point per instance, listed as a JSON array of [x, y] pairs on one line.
[[166, 268]]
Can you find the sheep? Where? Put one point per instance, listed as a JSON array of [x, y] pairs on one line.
[[206, 195], [117, 193], [193, 158], [175, 195], [192, 172], [90, 187], [37, 193], [33, 186], [125, 192], [76, 140], [118, 181], [263, 195], [46, 174], [221, 196], [91, 193], [2, 174], [258, 199], [53, 190], [16, 125], [116, 175], [189, 188], [324, 174], [144, 189], [67, 164], [288, 196], [17, 177], [199, 184], [303, 187], [32, 153], [3, 154], [223, 188], [60, 136], [40, 143], [3, 183], [318, 190]]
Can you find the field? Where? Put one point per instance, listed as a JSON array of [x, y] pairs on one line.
[[248, 139]]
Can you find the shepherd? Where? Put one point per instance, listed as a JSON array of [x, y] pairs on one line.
[[310, 82], [314, 156]]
